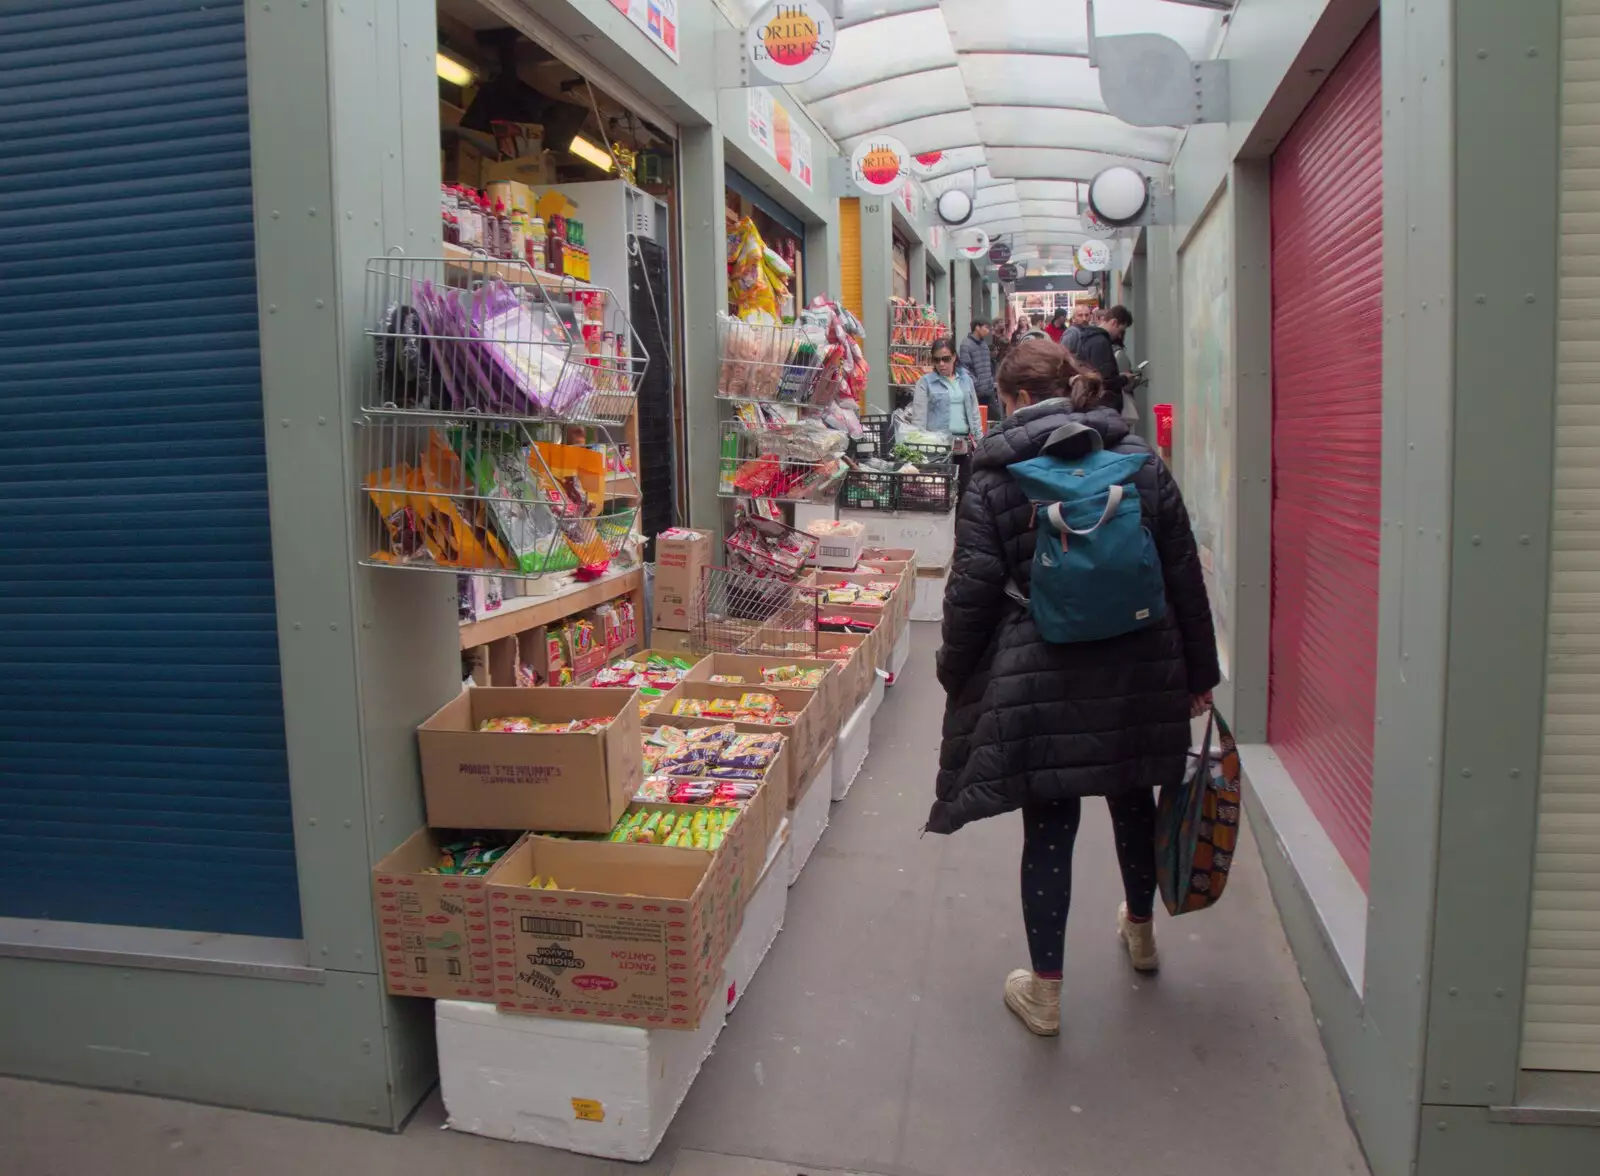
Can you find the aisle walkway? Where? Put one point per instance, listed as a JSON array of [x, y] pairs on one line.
[[874, 1040]]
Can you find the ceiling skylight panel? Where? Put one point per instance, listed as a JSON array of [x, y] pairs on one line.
[[1031, 79], [893, 47], [876, 107]]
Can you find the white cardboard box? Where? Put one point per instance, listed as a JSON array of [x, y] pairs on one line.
[[931, 536], [851, 750], [895, 660], [602, 1090], [809, 820], [810, 512], [928, 603], [763, 919]]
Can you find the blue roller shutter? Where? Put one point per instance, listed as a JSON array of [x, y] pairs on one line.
[[143, 777]]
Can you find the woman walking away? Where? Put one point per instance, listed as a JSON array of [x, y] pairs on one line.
[[1036, 724], [945, 401]]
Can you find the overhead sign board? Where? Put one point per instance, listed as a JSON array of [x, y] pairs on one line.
[[877, 164], [999, 253], [788, 43]]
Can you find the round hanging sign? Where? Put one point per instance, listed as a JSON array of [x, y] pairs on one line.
[[1094, 256], [1094, 226], [999, 253], [787, 43], [926, 162], [877, 164], [1008, 273], [972, 244]]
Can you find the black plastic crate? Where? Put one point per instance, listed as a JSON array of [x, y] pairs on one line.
[[877, 431], [933, 490], [869, 490]]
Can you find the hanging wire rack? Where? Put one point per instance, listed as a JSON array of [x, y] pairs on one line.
[[484, 418], [485, 496], [498, 339], [769, 364], [797, 462], [742, 611]]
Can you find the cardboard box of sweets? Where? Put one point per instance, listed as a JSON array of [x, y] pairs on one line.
[[636, 936], [858, 668], [433, 928], [789, 780], [894, 610], [571, 782], [681, 559], [805, 732], [751, 670], [771, 802], [800, 751]]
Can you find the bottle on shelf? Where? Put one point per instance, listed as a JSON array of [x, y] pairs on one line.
[[536, 243]]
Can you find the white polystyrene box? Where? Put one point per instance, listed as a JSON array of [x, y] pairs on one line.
[[809, 820], [875, 695], [851, 750], [928, 603], [763, 919], [896, 661], [530, 1079], [931, 536]]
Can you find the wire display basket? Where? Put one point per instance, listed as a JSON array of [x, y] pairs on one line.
[[494, 338], [802, 462], [779, 364], [913, 326], [481, 495], [767, 547], [742, 611]]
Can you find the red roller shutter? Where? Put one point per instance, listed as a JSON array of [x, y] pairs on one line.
[[1327, 434]]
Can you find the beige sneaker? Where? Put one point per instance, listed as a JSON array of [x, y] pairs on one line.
[[1140, 940], [1037, 1002]]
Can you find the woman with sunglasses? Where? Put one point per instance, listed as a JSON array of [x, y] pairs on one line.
[[945, 401]]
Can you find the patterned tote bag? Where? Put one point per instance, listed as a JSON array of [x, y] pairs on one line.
[[1197, 825]]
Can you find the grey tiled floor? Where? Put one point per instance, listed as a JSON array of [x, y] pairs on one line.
[[874, 1039]]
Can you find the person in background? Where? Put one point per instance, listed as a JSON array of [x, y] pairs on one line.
[[1058, 326], [944, 401], [1097, 350], [974, 359], [1038, 726], [1132, 380], [1036, 329], [1080, 318]]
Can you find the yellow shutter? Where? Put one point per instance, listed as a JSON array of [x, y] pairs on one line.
[[850, 255], [1561, 1029]]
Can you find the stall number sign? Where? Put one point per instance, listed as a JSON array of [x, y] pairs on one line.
[[787, 43]]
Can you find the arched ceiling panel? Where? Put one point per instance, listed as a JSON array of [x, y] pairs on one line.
[[920, 43], [1002, 86]]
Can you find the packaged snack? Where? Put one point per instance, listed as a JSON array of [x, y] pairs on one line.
[[840, 596], [511, 724], [690, 706], [750, 751], [757, 704], [793, 676], [726, 679], [721, 708]]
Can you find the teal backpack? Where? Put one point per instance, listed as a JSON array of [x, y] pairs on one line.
[[1096, 573]]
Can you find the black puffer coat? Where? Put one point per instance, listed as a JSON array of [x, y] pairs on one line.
[[1028, 721]]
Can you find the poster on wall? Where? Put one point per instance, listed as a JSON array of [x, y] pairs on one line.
[[790, 42], [774, 131], [1205, 415], [656, 19]]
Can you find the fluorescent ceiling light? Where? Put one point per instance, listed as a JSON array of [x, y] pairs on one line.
[[455, 72], [589, 153]]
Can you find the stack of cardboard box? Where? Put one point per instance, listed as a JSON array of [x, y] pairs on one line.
[[682, 556]]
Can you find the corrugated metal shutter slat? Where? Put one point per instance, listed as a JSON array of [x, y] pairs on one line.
[[143, 774], [1562, 1001], [1327, 393]]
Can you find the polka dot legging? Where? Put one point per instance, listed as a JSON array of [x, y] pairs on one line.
[[1048, 833]]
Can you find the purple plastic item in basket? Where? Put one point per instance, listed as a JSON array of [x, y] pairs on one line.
[[497, 353]]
